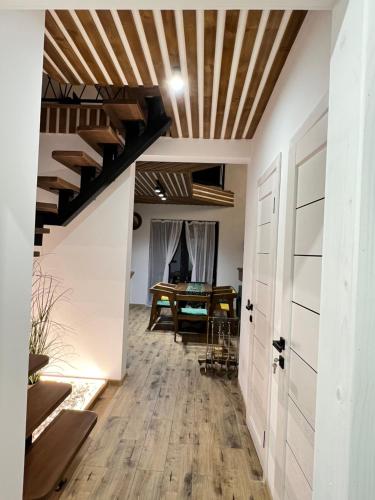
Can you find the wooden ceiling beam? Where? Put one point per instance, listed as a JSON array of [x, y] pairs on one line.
[[231, 23], [170, 32], [130, 29], [109, 26], [294, 25], [154, 47], [252, 27], [71, 27], [272, 27], [52, 52], [190, 31], [210, 21], [65, 46]]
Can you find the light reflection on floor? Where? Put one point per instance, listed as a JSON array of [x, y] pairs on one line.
[[84, 392]]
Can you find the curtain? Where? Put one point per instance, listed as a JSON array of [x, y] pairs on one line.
[[200, 240], [164, 239]]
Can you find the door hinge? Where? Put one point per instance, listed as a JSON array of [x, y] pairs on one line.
[[264, 439], [274, 204]]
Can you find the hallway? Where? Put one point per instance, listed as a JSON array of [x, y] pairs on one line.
[[169, 432]]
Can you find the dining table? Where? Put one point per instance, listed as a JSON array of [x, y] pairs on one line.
[[194, 288]]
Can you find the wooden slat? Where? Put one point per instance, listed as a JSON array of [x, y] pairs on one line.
[[43, 119], [37, 362], [95, 136], [72, 120], [272, 27], [75, 160], [252, 25], [190, 31], [153, 43], [55, 184], [170, 31], [214, 195], [36, 253], [72, 29], [62, 120], [64, 45], [109, 26], [51, 71], [210, 21], [95, 38], [231, 22], [59, 61], [130, 29], [172, 166], [48, 458], [42, 399], [52, 120], [42, 230], [46, 207], [295, 22]]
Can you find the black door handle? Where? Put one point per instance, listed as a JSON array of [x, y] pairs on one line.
[[249, 306], [279, 345]]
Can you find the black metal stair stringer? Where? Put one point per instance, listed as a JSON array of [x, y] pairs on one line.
[[135, 146]]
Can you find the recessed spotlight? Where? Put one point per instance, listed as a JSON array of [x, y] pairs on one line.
[[176, 82], [164, 198], [157, 190], [161, 195]]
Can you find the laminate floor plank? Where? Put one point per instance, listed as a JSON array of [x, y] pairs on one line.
[[170, 432]]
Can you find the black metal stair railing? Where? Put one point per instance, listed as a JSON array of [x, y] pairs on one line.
[[138, 138]]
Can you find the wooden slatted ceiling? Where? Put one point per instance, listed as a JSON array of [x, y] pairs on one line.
[[231, 60]]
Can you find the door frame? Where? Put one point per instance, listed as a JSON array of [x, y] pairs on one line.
[[274, 167], [287, 280]]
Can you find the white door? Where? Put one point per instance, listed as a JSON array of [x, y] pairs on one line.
[[261, 314], [304, 252]]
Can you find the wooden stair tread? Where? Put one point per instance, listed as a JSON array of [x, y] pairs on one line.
[[120, 111], [42, 230], [55, 184], [36, 253], [75, 160], [42, 399], [50, 455], [96, 136], [37, 362], [46, 207]]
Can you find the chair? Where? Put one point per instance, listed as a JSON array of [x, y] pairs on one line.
[[191, 308], [222, 300], [163, 296]]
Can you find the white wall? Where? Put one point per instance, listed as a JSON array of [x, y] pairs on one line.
[[303, 83], [21, 51], [92, 257], [231, 233]]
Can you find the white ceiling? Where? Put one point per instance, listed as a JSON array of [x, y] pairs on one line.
[[168, 4]]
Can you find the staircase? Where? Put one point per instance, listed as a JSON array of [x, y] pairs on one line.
[[132, 131], [48, 457]]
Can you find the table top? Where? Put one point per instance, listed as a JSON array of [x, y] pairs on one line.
[[194, 288]]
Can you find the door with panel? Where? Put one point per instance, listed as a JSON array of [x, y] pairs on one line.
[[308, 154], [262, 308]]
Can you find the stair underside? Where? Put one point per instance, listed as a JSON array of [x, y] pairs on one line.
[[42, 399], [75, 160], [56, 184], [97, 136]]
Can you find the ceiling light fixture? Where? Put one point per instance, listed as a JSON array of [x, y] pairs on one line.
[[164, 197], [176, 82]]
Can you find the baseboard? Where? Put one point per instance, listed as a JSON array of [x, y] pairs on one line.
[[117, 383]]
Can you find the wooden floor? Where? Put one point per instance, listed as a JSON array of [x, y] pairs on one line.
[[169, 432]]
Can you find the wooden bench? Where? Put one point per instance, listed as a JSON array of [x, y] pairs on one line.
[[42, 399], [48, 458]]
